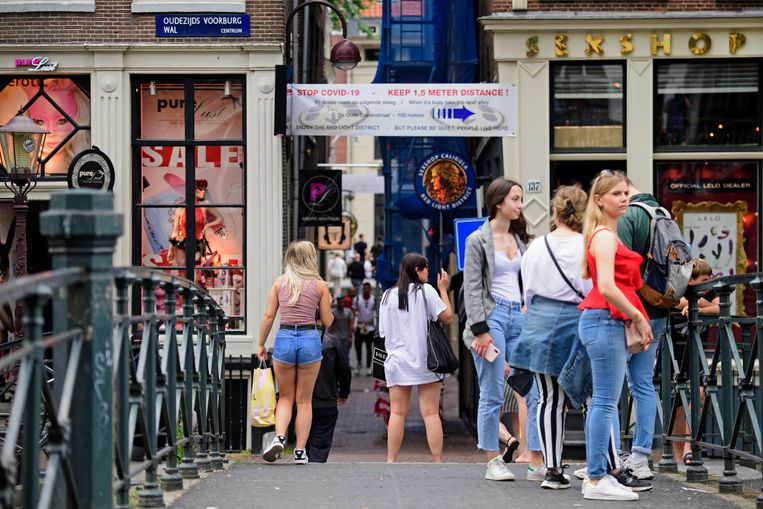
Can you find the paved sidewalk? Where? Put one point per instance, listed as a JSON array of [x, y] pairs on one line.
[[412, 485]]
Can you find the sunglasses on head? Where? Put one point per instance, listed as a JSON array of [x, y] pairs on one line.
[[201, 184]]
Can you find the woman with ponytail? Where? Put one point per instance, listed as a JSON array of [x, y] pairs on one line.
[[301, 295], [553, 289], [607, 309]]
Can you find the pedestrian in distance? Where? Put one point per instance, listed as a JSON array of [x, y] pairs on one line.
[[337, 270], [405, 311], [360, 247], [494, 319], [342, 327], [616, 275], [332, 388], [357, 272], [633, 229], [553, 289], [364, 309], [297, 294]]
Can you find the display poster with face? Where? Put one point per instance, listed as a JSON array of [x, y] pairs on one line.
[[61, 107]]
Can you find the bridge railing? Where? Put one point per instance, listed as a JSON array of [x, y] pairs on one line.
[[715, 385], [119, 371]]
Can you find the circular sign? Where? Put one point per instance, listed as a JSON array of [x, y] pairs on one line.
[[28, 145], [444, 181], [91, 169], [320, 194]]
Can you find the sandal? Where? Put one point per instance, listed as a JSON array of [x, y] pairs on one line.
[[687, 459], [512, 444]]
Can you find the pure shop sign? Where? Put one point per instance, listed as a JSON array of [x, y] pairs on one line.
[[486, 109], [36, 64]]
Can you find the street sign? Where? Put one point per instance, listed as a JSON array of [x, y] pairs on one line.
[[202, 25], [462, 229], [403, 109]]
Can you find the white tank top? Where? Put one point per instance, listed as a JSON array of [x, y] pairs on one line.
[[505, 283]]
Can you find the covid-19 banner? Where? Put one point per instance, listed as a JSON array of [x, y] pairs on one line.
[[320, 197], [444, 181]]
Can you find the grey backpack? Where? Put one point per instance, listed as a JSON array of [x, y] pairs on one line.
[[668, 261]]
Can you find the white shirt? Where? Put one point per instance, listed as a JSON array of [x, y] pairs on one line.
[[369, 269], [505, 284], [365, 309], [337, 267], [541, 277], [405, 335]]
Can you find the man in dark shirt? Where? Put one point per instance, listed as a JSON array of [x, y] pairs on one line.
[[633, 229], [332, 388], [360, 247], [357, 272]]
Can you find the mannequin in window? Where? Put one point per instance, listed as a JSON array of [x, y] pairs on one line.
[[177, 255]]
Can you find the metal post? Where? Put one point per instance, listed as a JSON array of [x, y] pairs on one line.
[[696, 472], [729, 482], [202, 457], [20, 211], [171, 480], [667, 461], [757, 285], [82, 229], [122, 409], [215, 460], [188, 468]]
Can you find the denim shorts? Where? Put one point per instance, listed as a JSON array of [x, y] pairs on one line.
[[297, 348]]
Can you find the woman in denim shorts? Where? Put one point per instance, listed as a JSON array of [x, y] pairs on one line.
[[298, 293]]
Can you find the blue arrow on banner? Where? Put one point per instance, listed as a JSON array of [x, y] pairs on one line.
[[461, 113]]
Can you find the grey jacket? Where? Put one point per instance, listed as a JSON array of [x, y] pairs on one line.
[[479, 267]]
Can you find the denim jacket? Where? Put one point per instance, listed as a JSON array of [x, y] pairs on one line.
[[576, 379], [479, 267]]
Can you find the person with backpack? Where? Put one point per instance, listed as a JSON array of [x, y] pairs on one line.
[[647, 229]]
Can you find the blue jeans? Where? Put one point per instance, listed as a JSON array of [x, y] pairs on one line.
[[505, 322], [297, 348], [640, 373], [604, 340]]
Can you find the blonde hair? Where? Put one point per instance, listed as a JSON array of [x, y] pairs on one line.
[[569, 203], [300, 265], [701, 268], [594, 217]]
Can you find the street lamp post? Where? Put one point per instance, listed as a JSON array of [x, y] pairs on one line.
[[21, 141], [345, 55]]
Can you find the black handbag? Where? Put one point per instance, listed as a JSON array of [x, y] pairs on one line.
[[440, 356], [379, 356]]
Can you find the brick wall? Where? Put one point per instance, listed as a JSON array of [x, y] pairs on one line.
[[630, 5], [113, 22]]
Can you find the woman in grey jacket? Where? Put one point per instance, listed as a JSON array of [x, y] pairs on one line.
[[494, 317]]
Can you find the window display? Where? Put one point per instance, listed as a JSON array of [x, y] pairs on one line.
[[60, 105], [192, 196], [707, 104], [588, 106]]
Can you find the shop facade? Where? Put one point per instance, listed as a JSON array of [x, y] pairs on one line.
[[188, 125], [673, 99]]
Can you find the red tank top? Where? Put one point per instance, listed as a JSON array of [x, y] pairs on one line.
[[200, 220], [627, 279]]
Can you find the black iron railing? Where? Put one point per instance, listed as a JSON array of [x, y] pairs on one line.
[[118, 373]]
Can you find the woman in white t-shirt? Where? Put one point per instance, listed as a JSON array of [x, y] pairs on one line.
[[405, 311], [551, 323]]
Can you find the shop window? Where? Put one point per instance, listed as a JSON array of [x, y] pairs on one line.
[[61, 105], [190, 170], [587, 106], [567, 173], [707, 104], [716, 205]]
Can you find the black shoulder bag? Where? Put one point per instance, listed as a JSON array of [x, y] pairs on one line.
[[440, 356], [553, 258]]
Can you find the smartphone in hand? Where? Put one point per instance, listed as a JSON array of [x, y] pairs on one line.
[[492, 353]]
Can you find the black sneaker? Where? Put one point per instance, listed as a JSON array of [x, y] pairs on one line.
[[627, 479], [555, 480]]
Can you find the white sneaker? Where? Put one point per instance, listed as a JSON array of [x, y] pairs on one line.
[[606, 489], [498, 471], [640, 470], [271, 452], [581, 473], [300, 457], [537, 474]]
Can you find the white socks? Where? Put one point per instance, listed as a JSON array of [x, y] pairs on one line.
[[639, 457]]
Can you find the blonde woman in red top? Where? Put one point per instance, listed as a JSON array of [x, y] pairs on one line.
[[616, 275]]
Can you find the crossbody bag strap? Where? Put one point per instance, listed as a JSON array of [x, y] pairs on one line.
[[556, 263]]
